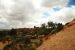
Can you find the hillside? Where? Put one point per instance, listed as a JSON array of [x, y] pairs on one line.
[[63, 40]]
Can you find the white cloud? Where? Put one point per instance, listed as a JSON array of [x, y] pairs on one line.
[[65, 15], [6, 5], [27, 13], [50, 3]]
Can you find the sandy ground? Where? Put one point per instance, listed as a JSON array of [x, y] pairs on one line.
[[64, 40], [2, 45]]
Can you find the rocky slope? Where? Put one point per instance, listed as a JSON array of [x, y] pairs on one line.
[[63, 40]]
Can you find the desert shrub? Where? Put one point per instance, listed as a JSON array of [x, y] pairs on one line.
[[12, 32], [30, 48], [59, 26], [43, 30], [51, 24], [7, 47], [2, 35]]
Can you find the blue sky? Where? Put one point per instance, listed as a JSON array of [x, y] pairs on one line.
[[71, 3]]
